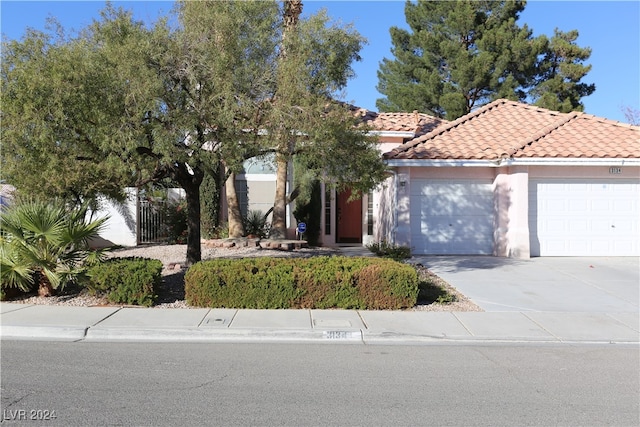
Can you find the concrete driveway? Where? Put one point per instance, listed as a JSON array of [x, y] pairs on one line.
[[548, 284]]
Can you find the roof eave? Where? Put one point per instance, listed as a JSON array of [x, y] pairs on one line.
[[512, 162], [575, 161]]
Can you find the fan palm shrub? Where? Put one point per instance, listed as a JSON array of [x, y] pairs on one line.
[[46, 245], [255, 224]]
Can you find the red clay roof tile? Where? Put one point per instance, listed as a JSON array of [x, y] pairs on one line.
[[417, 123], [510, 129]]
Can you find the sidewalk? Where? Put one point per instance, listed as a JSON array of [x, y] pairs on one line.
[[115, 324]]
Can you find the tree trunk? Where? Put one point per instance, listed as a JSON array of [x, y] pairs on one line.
[[45, 289], [220, 173], [279, 218], [236, 227], [190, 182]]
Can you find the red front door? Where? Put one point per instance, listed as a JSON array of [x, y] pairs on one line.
[[349, 229]]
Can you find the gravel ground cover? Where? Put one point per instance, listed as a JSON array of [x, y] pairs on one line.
[[173, 257]]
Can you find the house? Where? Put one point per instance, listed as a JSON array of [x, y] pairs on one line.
[[514, 180], [509, 180]]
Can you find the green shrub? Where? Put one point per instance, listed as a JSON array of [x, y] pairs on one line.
[[318, 282], [387, 250], [388, 285], [129, 280], [328, 282], [248, 283]]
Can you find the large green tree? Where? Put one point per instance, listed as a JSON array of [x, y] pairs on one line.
[[149, 103], [59, 103], [459, 55]]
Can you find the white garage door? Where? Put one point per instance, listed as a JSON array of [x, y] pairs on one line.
[[584, 217], [452, 217]]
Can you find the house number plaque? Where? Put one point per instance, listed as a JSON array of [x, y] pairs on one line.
[[615, 170]]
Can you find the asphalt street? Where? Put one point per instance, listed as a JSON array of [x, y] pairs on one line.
[[87, 384]]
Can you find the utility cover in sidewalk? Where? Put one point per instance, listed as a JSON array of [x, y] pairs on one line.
[[216, 322], [219, 317]]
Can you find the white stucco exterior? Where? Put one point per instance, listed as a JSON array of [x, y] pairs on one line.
[[121, 227]]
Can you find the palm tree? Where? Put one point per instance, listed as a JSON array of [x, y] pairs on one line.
[[292, 11], [46, 245]]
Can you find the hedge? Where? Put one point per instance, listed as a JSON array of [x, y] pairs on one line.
[[130, 280], [317, 282]]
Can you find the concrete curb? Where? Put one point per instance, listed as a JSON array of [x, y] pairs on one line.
[[43, 333], [98, 334], [256, 335]]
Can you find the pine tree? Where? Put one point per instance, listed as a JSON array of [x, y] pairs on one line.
[[560, 72], [460, 55]]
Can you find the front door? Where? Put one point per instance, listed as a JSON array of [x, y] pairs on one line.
[[349, 222]]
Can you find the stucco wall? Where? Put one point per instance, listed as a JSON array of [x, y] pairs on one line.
[[511, 201], [120, 228], [384, 211]]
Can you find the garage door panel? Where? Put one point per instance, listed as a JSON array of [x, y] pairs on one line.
[[623, 227], [578, 226], [454, 188], [625, 205], [601, 206], [450, 206], [451, 217], [624, 247], [557, 205], [587, 217], [625, 188], [577, 206], [600, 226]]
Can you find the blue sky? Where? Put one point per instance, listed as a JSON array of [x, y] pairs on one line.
[[610, 28]]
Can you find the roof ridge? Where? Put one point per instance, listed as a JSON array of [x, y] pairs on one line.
[[564, 119]]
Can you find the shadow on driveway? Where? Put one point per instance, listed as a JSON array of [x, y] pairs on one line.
[[457, 263]]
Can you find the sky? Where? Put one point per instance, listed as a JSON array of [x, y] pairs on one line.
[[610, 28]]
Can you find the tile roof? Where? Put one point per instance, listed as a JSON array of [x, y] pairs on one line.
[[507, 129], [418, 123]]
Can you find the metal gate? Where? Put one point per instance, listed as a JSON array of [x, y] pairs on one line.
[[152, 227]]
